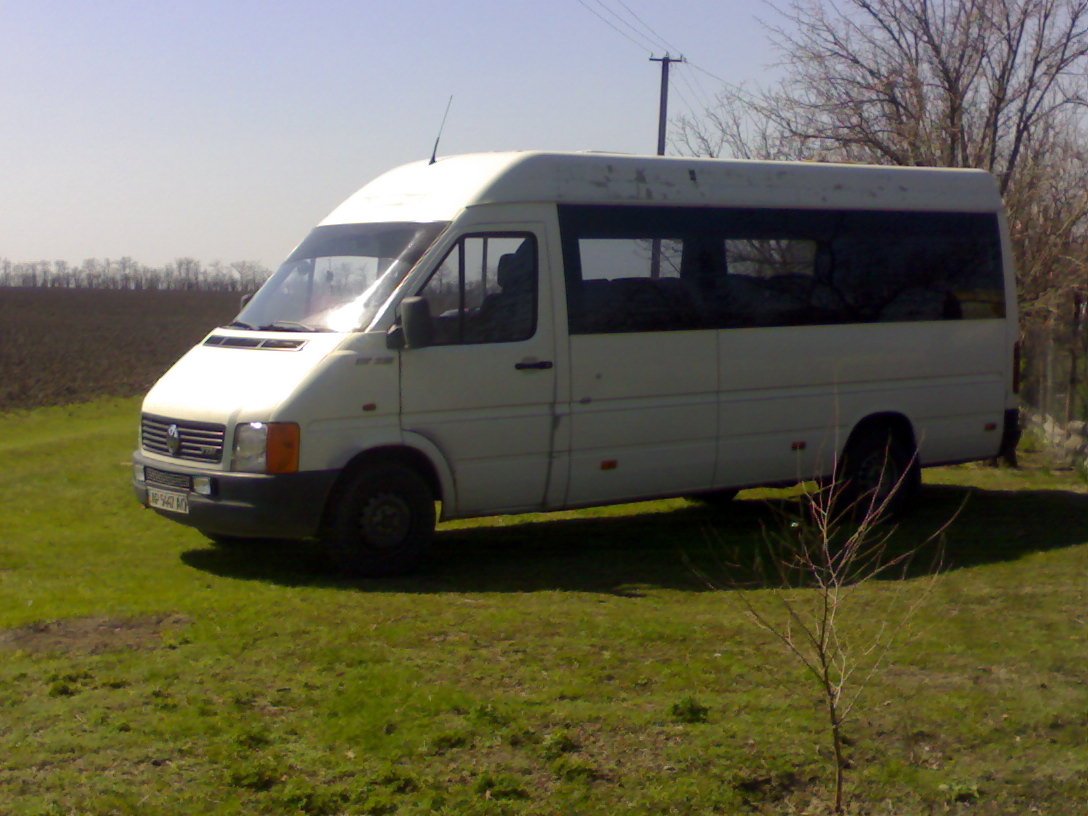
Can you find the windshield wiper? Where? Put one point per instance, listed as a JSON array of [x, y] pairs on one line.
[[238, 324], [290, 325]]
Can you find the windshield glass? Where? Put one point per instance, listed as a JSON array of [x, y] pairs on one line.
[[338, 277]]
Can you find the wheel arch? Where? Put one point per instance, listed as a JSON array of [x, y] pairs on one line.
[[866, 491], [898, 423], [437, 476]]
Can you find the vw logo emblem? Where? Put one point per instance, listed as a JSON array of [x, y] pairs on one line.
[[173, 440]]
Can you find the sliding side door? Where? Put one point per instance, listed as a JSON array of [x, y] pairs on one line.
[[644, 369]]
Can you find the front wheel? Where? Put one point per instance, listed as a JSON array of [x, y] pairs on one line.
[[382, 522], [227, 541]]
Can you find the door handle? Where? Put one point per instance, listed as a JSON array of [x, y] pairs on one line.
[[542, 365]]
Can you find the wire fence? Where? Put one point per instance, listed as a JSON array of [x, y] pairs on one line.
[[1054, 382], [1054, 364]]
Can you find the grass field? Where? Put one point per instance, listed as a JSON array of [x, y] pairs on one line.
[[539, 665], [69, 345]]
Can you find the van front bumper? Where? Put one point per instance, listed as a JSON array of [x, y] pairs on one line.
[[247, 505]]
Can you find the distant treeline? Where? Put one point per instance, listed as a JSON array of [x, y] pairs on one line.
[[126, 273]]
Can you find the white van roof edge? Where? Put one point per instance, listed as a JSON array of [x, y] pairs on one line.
[[437, 192]]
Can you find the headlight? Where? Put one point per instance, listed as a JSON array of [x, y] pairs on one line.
[[266, 447], [250, 444]]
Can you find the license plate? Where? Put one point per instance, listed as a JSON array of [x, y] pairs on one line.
[[167, 500]]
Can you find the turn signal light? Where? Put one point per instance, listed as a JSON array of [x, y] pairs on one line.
[[282, 447]]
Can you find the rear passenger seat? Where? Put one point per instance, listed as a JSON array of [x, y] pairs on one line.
[[634, 304]]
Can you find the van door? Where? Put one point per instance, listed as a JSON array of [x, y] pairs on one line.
[[644, 373], [484, 390], [643, 415]]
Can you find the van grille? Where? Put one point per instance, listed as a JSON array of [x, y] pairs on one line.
[[198, 441]]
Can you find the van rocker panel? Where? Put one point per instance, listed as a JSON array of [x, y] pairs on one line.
[[248, 505]]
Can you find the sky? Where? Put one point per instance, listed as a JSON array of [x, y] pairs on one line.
[[225, 130]]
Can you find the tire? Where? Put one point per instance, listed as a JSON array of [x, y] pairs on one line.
[[879, 468], [382, 522], [226, 541], [717, 499]]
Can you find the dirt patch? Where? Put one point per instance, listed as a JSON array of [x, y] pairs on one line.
[[91, 635]]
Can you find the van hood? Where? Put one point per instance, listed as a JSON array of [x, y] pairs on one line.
[[236, 375]]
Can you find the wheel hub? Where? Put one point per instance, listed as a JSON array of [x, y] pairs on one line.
[[878, 475], [385, 521]]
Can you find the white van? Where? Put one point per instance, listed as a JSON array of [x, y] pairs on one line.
[[519, 332]]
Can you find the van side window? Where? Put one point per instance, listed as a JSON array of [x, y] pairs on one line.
[[633, 284], [770, 282], [918, 266], [485, 290], [673, 268]]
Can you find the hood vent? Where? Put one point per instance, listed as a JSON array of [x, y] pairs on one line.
[[269, 344]]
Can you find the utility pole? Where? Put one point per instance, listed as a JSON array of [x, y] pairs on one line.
[[664, 107], [662, 118]]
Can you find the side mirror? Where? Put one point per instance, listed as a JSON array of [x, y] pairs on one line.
[[415, 324]]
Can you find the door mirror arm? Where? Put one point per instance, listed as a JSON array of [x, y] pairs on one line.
[[394, 338]]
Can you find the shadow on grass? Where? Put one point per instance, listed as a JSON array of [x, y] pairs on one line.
[[621, 555]]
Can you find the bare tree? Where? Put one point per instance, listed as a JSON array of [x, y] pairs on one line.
[[991, 84], [128, 274], [249, 275], [814, 564]]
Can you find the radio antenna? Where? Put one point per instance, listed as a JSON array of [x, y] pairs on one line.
[[434, 153]]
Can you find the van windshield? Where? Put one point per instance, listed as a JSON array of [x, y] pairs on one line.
[[338, 278]]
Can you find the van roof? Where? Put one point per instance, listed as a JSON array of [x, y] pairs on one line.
[[437, 192]]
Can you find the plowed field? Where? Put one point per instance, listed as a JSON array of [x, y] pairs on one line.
[[68, 345]]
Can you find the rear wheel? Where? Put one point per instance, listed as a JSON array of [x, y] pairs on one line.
[[382, 522], [879, 469], [226, 541], [717, 499]]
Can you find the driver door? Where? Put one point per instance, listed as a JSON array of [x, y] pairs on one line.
[[484, 391]]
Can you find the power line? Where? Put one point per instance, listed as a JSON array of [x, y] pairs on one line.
[[692, 108], [643, 23], [648, 35], [624, 22], [712, 76], [609, 23], [696, 90], [702, 98], [703, 95]]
